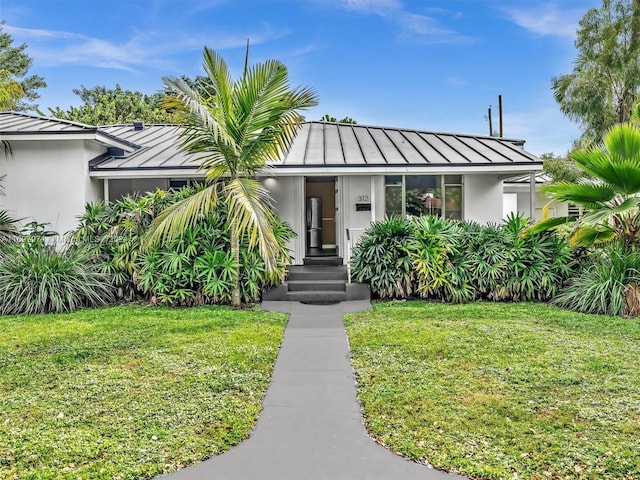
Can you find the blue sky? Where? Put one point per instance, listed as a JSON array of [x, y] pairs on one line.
[[432, 65]]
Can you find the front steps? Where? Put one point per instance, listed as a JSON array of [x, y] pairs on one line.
[[320, 280]]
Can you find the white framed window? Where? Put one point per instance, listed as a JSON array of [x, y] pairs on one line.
[[415, 195]]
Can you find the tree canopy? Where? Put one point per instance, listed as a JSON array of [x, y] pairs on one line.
[[561, 169], [328, 118], [605, 82], [17, 89], [108, 106]]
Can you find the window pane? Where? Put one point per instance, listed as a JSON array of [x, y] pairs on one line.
[[393, 180], [393, 199], [453, 202], [423, 195], [453, 179]]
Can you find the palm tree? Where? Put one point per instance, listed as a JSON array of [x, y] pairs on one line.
[[610, 197], [235, 127]]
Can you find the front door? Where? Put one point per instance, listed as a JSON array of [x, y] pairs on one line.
[[320, 216]]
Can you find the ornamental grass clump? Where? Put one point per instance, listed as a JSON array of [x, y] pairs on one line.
[[607, 284], [37, 278]]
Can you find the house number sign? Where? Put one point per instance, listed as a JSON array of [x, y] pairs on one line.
[[363, 204]]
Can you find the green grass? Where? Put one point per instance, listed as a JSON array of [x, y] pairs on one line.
[[502, 390], [129, 392]]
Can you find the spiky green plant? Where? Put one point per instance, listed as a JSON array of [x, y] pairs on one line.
[[38, 279], [608, 283], [381, 260], [611, 195]]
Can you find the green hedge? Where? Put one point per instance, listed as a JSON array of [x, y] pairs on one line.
[[444, 259], [193, 269]]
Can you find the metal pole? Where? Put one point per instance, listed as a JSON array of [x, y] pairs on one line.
[[490, 122], [500, 113], [532, 196]]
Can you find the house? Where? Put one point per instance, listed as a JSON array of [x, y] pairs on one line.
[[360, 174], [517, 198]]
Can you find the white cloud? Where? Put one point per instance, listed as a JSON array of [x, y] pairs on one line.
[[414, 26], [151, 49], [546, 19]]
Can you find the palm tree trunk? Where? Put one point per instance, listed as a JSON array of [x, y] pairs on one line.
[[235, 249]]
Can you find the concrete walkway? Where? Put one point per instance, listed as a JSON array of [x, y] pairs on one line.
[[311, 426]]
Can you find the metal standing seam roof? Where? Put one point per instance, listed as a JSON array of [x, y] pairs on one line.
[[18, 124], [334, 144], [321, 144]]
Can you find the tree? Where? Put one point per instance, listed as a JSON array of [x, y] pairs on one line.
[[235, 127], [17, 62], [604, 84], [11, 91], [329, 118], [610, 195], [105, 106], [561, 169]]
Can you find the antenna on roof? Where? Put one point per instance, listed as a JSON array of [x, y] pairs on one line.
[[500, 113]]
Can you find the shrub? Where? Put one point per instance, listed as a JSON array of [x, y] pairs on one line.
[[460, 261], [607, 284], [381, 260], [194, 268], [35, 278]]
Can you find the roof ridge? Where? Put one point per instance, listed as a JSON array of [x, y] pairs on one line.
[[416, 130]]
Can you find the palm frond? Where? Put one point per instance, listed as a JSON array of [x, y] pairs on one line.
[[548, 224], [617, 162], [588, 194], [182, 215], [250, 213], [590, 236]]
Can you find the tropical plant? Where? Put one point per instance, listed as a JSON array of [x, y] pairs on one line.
[[235, 128], [37, 278], [381, 260], [608, 283], [610, 198], [456, 262], [8, 230], [196, 267], [435, 250]]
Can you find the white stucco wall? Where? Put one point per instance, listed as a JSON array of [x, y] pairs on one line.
[[288, 201], [48, 181], [482, 198]]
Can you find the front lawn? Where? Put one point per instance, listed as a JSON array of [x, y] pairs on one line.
[[129, 392], [502, 390]]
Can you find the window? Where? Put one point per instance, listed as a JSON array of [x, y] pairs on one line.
[[416, 195], [177, 184]]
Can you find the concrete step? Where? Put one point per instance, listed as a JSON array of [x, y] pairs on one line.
[[319, 285], [316, 272], [316, 296], [324, 260]]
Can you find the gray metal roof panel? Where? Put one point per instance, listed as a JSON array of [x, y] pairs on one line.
[[321, 144], [18, 122]]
